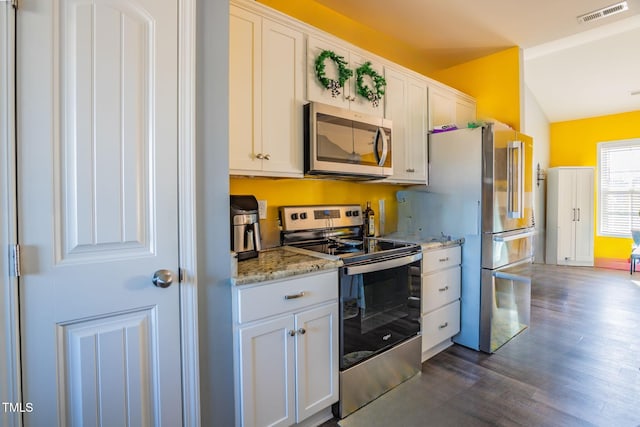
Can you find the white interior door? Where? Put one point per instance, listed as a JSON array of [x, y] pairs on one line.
[[97, 189]]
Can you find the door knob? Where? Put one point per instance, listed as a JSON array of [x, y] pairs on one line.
[[162, 278]]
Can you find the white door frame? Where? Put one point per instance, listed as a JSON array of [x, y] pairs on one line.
[[9, 315], [9, 324]]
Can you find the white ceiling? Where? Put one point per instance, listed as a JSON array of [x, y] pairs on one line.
[[574, 70]]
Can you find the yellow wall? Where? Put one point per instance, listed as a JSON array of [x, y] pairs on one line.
[[282, 192], [574, 143], [347, 29], [494, 81]]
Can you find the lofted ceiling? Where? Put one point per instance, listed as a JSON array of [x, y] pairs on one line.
[[574, 70]]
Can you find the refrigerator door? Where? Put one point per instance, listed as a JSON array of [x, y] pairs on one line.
[[507, 180], [505, 304], [500, 249]]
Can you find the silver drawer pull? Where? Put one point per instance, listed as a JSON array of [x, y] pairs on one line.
[[294, 296], [292, 333], [444, 259], [444, 325], [446, 288], [302, 331]]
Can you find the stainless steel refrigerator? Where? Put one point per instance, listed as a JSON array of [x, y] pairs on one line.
[[480, 188]]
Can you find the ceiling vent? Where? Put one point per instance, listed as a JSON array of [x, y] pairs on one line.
[[605, 12]]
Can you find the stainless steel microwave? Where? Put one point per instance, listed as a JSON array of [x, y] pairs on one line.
[[345, 143]]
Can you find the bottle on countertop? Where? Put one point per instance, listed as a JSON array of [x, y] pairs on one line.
[[369, 217]]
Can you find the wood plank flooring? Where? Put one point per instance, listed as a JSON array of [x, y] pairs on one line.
[[578, 364]]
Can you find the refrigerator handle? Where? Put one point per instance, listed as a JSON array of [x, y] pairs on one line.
[[515, 180], [478, 219]]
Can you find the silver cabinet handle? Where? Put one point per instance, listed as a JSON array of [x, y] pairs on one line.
[[294, 296], [411, 170], [162, 278], [292, 333], [259, 156], [444, 259], [267, 157], [444, 325], [446, 288], [578, 214], [302, 331]]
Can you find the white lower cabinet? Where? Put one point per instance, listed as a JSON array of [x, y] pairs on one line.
[[440, 299], [287, 362]]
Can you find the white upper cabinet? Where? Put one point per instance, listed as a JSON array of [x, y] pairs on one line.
[[266, 94], [450, 107], [406, 106], [347, 96]]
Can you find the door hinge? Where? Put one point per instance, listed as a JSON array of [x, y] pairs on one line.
[[15, 260]]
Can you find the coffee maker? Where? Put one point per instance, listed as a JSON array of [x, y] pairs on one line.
[[245, 228]]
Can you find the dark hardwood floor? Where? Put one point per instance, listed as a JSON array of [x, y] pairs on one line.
[[578, 364]]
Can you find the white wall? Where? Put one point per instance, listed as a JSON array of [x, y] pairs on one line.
[[212, 180], [536, 125]]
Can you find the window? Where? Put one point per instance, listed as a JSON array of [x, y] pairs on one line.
[[618, 187]]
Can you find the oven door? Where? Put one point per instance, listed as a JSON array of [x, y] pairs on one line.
[[505, 304], [379, 306]]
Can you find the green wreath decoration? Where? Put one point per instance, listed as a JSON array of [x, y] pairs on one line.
[[343, 72], [373, 95]]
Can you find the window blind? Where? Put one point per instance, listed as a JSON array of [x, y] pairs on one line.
[[619, 187]]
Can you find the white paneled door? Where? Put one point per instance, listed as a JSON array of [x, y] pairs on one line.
[[98, 215]]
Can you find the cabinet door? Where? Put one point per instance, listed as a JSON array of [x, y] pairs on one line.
[[584, 217], [315, 90], [396, 110], [566, 216], [448, 107], [358, 102], [416, 130], [317, 359], [442, 107], [267, 373], [244, 89], [282, 98]]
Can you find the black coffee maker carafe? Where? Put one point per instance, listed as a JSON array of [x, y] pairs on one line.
[[245, 228]]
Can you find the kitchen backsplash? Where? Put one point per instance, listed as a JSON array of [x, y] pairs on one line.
[[283, 192]]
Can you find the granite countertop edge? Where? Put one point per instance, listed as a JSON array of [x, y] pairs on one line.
[[427, 243], [280, 263]]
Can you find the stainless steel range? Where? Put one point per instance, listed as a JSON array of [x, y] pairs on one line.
[[379, 299]]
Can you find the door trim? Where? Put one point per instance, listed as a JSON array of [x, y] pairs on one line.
[[9, 321], [187, 212]]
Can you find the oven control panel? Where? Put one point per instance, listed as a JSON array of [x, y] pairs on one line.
[[293, 218]]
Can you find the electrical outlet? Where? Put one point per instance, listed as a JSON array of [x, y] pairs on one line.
[[262, 209]]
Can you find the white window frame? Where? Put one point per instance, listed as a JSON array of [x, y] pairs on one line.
[[626, 143]]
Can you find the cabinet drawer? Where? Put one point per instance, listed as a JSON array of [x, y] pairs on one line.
[[440, 288], [441, 258], [440, 325], [287, 295]]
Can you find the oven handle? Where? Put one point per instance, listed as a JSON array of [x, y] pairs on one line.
[[382, 265]]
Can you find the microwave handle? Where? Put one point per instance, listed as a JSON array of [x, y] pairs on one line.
[[381, 135]]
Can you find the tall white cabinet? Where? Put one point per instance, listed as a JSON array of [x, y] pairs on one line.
[[266, 95], [570, 229]]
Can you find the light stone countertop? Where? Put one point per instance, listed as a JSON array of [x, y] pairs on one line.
[[281, 262], [427, 243]]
